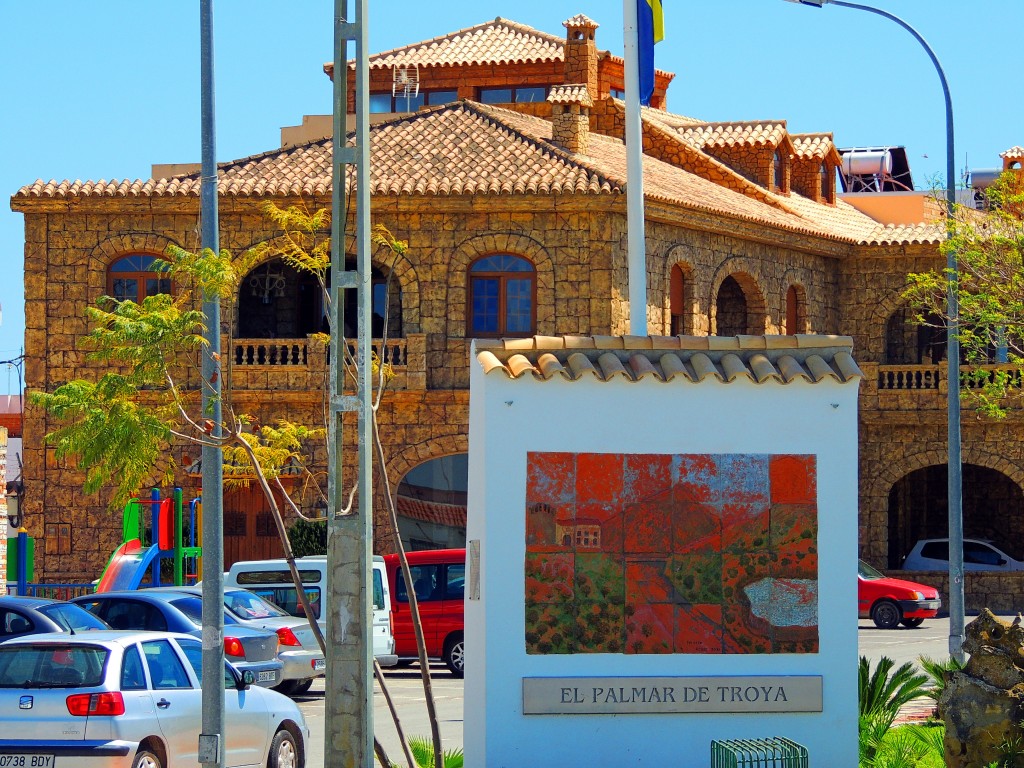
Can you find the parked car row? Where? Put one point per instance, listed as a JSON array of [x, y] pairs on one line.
[[113, 678], [438, 578]]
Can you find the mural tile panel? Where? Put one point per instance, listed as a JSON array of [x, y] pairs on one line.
[[698, 628], [658, 553], [550, 477], [599, 477]]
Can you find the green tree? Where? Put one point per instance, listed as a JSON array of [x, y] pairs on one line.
[[119, 427], [989, 248]]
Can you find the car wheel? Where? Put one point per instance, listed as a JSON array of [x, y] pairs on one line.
[[455, 655], [886, 614], [284, 752], [146, 759], [911, 623]]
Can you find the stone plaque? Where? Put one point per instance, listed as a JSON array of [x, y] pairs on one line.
[[473, 555], [647, 695]]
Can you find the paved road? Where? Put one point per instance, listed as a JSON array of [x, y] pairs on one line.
[[901, 645], [406, 688]]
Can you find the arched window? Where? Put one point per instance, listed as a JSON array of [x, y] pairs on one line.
[[792, 307], [135, 277], [796, 310], [778, 172], [826, 183], [502, 298], [678, 290]]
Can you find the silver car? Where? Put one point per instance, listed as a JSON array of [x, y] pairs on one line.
[[170, 610], [298, 649], [125, 699]]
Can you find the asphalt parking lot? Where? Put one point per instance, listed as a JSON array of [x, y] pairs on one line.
[[901, 645], [406, 688]]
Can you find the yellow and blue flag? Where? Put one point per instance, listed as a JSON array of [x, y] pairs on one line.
[[650, 30]]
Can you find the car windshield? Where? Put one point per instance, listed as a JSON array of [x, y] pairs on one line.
[[72, 618], [51, 665], [246, 605], [865, 571]]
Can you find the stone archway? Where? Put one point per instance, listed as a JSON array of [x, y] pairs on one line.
[[737, 304], [908, 500], [398, 466], [399, 270], [738, 308]]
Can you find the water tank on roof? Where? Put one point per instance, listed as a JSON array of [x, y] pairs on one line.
[[867, 162], [983, 178]]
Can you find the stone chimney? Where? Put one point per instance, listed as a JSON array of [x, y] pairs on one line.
[[581, 52], [1011, 157], [570, 116]]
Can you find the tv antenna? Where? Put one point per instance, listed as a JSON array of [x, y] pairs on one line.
[[405, 82]]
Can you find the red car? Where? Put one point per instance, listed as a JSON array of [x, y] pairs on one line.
[[439, 578], [890, 602]]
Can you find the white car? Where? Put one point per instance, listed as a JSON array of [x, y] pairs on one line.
[[979, 555], [272, 580], [126, 699]]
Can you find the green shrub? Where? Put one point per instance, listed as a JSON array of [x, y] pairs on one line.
[[423, 753], [881, 693], [308, 538]]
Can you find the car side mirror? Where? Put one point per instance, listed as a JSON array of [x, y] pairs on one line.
[[248, 678], [1002, 561]]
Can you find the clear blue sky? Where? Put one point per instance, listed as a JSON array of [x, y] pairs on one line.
[[102, 90]]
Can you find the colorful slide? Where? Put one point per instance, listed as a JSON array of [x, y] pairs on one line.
[[127, 566]]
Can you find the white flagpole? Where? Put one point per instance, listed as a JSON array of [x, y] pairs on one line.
[[636, 253]]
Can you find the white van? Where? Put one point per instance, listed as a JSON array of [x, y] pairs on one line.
[[271, 580]]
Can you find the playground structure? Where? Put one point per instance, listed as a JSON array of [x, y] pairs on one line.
[[137, 560]]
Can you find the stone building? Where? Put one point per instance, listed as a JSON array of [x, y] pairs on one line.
[[505, 170]]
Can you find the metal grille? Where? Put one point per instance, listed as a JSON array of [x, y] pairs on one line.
[[758, 753]]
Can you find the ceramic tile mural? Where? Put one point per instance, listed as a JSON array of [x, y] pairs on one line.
[[659, 553]]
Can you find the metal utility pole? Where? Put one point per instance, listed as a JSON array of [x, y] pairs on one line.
[[348, 732], [954, 459], [211, 739]]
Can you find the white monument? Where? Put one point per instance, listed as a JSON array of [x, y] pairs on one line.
[[662, 549]]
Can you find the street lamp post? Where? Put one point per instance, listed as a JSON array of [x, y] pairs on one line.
[[956, 532]]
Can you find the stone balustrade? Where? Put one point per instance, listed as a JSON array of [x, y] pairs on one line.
[[922, 387], [301, 363]]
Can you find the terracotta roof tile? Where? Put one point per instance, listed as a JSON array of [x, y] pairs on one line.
[[845, 221], [757, 359], [432, 511], [746, 133], [670, 119], [579, 20], [469, 149], [494, 42], [1013, 153], [576, 93], [812, 146]]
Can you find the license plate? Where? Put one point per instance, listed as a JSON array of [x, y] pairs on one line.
[[319, 664], [26, 761], [262, 677]]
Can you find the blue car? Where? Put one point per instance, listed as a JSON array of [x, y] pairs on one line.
[[163, 610], [34, 615]]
